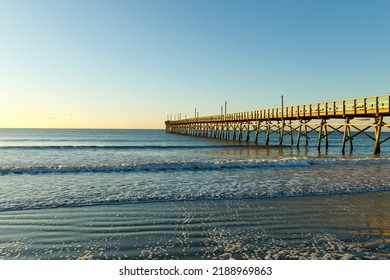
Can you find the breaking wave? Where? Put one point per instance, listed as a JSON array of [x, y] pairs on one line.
[[192, 165]]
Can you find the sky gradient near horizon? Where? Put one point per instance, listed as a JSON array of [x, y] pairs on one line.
[[128, 64]]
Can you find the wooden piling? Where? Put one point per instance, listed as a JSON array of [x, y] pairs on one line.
[[378, 129]]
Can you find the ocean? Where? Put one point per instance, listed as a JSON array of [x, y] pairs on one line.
[[147, 194]]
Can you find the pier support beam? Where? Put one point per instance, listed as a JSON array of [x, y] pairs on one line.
[[268, 132], [326, 136], [281, 132], [247, 132], [306, 137], [227, 136], [378, 129], [291, 134], [347, 133], [321, 134], [299, 133], [240, 133], [257, 130], [302, 123]]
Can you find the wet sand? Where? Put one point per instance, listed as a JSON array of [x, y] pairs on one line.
[[350, 226]]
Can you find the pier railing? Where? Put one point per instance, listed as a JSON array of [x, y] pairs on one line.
[[358, 107]]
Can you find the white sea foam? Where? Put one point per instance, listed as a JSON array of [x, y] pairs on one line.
[[81, 189], [192, 165]]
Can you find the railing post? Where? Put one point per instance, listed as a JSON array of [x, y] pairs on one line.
[[354, 106], [388, 103], [365, 105], [377, 104], [318, 110]]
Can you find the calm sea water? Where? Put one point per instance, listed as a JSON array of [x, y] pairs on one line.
[[68, 172]]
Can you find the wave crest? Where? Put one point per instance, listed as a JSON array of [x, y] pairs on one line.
[[183, 166]]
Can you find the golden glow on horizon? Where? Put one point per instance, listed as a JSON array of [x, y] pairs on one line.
[[76, 120], [57, 112], [56, 122]]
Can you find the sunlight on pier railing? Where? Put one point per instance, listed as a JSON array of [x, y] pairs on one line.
[[367, 106]]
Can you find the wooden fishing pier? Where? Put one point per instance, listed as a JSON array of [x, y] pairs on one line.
[[347, 117]]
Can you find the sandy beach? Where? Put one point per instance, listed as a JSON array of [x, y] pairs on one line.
[[353, 226]]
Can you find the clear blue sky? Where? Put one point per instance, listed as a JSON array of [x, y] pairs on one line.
[[127, 64]]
